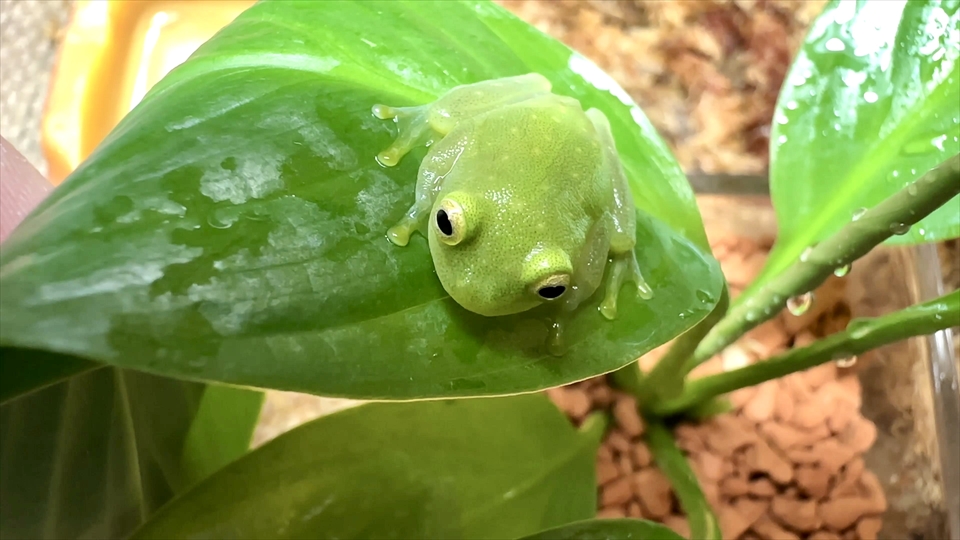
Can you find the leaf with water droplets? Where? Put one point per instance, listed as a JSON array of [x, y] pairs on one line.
[[232, 227], [871, 102]]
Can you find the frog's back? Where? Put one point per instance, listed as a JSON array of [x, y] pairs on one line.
[[542, 150]]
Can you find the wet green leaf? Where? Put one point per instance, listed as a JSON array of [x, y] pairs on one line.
[[232, 227], [94, 455], [871, 103], [608, 529], [475, 468]]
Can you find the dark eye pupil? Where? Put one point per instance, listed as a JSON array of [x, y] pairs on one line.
[[443, 223], [552, 292]]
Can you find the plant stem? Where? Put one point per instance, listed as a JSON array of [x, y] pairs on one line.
[[673, 464], [896, 213], [860, 336], [665, 380]]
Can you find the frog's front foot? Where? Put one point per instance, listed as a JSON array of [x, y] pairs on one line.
[[413, 125], [400, 233], [623, 268]]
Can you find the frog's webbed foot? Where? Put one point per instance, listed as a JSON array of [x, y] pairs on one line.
[[413, 128], [623, 267]]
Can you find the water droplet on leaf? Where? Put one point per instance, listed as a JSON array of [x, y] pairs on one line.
[[870, 97], [846, 362], [842, 271], [858, 213], [806, 254], [835, 45], [798, 305], [899, 228]]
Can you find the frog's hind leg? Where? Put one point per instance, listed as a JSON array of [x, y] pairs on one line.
[[623, 262], [413, 125]]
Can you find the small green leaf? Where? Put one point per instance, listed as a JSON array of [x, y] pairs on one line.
[[608, 529], [222, 430], [476, 468], [232, 228], [871, 103]]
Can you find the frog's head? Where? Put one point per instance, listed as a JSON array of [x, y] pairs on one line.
[[490, 263]]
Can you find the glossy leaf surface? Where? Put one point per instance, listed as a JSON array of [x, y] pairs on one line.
[[871, 103], [232, 227], [92, 456], [476, 468], [609, 529]]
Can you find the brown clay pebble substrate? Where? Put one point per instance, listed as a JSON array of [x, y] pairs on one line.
[[784, 464]]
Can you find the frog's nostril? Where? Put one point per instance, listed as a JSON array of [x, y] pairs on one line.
[[443, 223], [552, 292]]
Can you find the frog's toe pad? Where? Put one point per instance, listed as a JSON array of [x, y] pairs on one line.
[[608, 308], [390, 157], [384, 112], [399, 235], [644, 290]]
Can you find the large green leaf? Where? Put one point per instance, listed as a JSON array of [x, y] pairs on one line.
[[232, 228], [871, 103], [22, 371], [92, 456], [608, 529], [77, 460], [475, 468]]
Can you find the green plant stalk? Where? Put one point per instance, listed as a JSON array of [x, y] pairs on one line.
[[673, 464], [860, 336], [665, 381], [894, 214]]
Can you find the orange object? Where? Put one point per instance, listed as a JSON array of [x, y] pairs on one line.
[[112, 53]]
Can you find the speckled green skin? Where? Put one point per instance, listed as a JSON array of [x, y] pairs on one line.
[[533, 190]]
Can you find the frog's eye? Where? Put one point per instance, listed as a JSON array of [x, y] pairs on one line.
[[443, 223], [450, 223], [553, 287], [552, 292]]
